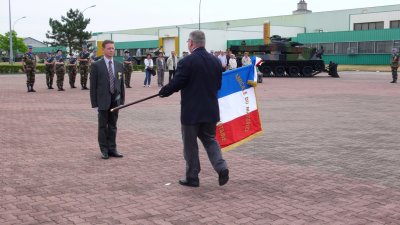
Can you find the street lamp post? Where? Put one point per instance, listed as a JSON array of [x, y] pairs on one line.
[[12, 54], [11, 50], [17, 21], [199, 13], [88, 8]]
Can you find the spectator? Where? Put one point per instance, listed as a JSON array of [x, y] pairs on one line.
[[232, 62], [222, 58], [246, 59], [172, 63]]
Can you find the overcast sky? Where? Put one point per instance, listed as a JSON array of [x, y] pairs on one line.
[[111, 15]]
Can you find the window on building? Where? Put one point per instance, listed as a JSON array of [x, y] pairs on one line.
[[366, 47], [353, 48], [379, 25], [328, 48], [395, 24], [364, 26], [383, 46], [396, 44], [316, 46], [341, 47], [369, 26]]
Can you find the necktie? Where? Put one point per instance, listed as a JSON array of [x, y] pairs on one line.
[[111, 76]]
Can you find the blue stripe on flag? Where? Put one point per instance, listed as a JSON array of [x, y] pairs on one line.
[[236, 80]]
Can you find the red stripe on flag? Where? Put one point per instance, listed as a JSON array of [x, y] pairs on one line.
[[238, 129]]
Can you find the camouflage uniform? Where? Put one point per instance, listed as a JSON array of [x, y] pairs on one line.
[[128, 70], [94, 58], [394, 64], [72, 70], [84, 68], [60, 72], [49, 68], [29, 67]]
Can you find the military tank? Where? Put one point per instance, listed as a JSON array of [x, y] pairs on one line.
[[284, 57]]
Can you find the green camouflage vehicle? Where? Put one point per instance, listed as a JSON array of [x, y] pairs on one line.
[[283, 57]]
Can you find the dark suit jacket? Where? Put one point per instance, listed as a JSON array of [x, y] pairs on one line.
[[199, 77], [100, 95]]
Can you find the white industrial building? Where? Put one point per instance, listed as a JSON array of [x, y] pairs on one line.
[[347, 39]]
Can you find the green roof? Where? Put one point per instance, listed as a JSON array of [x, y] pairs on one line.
[[136, 44], [48, 49], [345, 36]]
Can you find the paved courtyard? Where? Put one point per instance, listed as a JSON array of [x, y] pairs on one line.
[[330, 154]]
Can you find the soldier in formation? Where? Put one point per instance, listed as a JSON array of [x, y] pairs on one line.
[[29, 67], [49, 69], [127, 68], [72, 70], [94, 57], [394, 64], [60, 70], [83, 59]]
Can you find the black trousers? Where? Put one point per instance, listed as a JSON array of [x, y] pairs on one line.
[[171, 75], [206, 133], [107, 131]]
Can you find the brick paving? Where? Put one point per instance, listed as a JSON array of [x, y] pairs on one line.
[[329, 155]]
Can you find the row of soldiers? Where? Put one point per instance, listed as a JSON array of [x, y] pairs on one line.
[[59, 64]]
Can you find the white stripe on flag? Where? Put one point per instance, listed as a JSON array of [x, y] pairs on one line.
[[234, 105]]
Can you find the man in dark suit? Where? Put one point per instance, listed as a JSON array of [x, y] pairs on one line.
[[106, 92], [199, 77]]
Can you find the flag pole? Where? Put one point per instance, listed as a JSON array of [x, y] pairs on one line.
[[132, 103]]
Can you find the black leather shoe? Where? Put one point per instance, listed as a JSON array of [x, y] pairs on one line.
[[104, 155], [190, 182], [115, 154], [223, 177]]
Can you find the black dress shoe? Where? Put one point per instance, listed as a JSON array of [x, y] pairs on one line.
[[190, 182], [223, 177], [115, 154], [104, 155]]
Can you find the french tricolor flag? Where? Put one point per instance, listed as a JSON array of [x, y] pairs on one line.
[[240, 119]]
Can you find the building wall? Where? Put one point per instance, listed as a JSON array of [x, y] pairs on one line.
[[256, 32], [215, 39], [371, 38], [317, 21], [35, 43], [122, 37], [321, 26], [386, 17]]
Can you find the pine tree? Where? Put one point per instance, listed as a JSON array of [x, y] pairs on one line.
[[70, 32]]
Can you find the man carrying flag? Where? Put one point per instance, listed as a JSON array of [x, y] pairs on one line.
[[198, 76]]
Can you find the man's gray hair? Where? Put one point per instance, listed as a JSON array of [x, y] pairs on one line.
[[198, 37]]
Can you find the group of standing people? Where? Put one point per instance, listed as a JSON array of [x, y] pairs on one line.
[[58, 65], [162, 65], [228, 60]]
